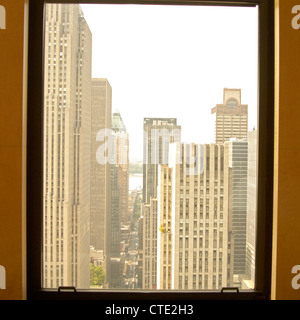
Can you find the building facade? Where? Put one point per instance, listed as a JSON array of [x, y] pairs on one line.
[[121, 160], [251, 210], [158, 134], [101, 192], [149, 276], [236, 177], [113, 270], [231, 117], [67, 143], [194, 237]]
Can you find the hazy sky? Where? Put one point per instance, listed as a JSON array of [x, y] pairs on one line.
[[174, 61]]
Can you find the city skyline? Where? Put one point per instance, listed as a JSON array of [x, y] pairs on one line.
[[163, 58], [195, 191]]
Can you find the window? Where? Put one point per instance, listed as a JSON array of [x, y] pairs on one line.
[[65, 238]]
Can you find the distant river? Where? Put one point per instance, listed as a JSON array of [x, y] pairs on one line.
[[135, 181]]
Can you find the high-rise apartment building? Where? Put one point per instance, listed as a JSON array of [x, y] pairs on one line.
[[231, 117], [236, 176], [193, 241], [101, 193], [67, 143], [158, 134]]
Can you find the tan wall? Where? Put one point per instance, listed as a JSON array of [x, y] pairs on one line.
[[12, 147], [287, 150]]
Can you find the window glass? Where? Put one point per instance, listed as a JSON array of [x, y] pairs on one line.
[[150, 147]]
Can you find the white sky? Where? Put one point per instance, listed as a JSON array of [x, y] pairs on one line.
[[174, 61]]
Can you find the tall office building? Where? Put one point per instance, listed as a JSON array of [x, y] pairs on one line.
[[113, 273], [231, 117], [236, 176], [158, 134], [165, 236], [149, 276], [121, 159], [119, 167], [249, 279], [67, 143], [140, 252], [193, 247], [100, 173]]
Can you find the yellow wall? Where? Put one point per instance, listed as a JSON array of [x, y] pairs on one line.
[[286, 241], [12, 150], [286, 246]]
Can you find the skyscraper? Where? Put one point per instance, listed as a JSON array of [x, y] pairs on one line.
[[121, 159], [140, 252], [113, 275], [193, 237], [231, 117], [67, 130], [236, 176], [100, 167], [251, 210], [119, 167], [165, 226], [158, 134], [149, 245]]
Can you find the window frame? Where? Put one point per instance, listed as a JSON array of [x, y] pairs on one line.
[[262, 289]]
